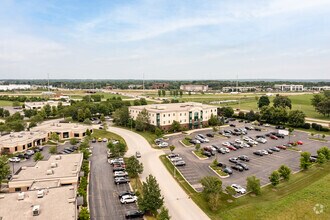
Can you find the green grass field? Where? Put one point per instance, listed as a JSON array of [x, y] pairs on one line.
[[97, 133], [294, 199], [5, 103]]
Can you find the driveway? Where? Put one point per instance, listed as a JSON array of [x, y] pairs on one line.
[[176, 200]]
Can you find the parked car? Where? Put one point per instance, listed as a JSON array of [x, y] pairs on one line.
[[238, 188], [171, 155], [121, 194], [279, 127], [93, 140], [265, 152], [231, 148], [121, 160], [267, 125], [206, 153], [226, 135], [118, 169], [300, 143], [273, 137], [239, 141], [21, 156], [179, 163], [269, 151], [174, 159], [121, 180], [244, 158], [233, 159], [159, 140], [99, 139], [258, 152], [137, 154], [128, 199], [257, 129], [220, 164], [163, 144], [279, 135], [105, 140], [275, 149], [194, 141], [237, 167], [210, 135], [232, 125], [209, 149], [261, 140], [281, 147], [134, 214], [312, 159], [29, 152], [260, 136], [224, 149], [120, 174], [245, 167], [228, 170], [226, 144], [14, 159]]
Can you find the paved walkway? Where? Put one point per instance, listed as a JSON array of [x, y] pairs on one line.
[[176, 200]]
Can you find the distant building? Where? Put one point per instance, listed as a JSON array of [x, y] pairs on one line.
[[133, 86], [320, 88], [14, 87], [190, 115], [160, 85], [58, 170], [40, 105], [291, 87], [194, 88], [240, 89]]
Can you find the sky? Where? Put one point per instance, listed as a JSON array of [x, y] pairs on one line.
[[165, 39]]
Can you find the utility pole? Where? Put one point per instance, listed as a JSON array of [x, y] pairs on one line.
[[48, 81], [237, 83], [143, 83]]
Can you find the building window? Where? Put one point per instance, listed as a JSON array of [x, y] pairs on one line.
[[164, 115], [185, 114], [169, 122], [17, 189], [173, 114], [180, 121], [65, 134], [185, 120], [15, 148], [76, 135], [163, 122], [23, 147], [169, 115]]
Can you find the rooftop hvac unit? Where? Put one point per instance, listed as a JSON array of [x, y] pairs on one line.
[[23, 168], [53, 165], [57, 157], [72, 200], [36, 210], [40, 193], [21, 196], [50, 172]]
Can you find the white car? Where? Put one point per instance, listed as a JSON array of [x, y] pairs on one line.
[[264, 152], [163, 144], [239, 141], [128, 199], [246, 138], [14, 159], [238, 188], [226, 144], [120, 174], [121, 160], [267, 125], [29, 152], [252, 142], [262, 140], [174, 159], [245, 145]]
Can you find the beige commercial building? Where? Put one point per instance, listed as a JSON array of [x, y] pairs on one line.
[[50, 204], [239, 89], [291, 87], [58, 170], [190, 115], [21, 141], [194, 88], [40, 105]]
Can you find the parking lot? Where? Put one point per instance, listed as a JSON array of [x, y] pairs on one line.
[[260, 166], [103, 192]]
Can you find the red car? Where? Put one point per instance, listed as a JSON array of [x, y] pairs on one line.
[[231, 148], [273, 137], [281, 147], [300, 143]]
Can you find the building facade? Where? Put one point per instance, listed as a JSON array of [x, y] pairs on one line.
[[240, 89], [194, 88], [40, 105], [190, 115], [160, 85], [291, 87]]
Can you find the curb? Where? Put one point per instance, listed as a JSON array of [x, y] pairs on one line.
[[88, 178], [199, 157], [222, 177], [184, 144]]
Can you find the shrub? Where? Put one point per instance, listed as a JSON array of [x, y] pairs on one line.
[[306, 126]]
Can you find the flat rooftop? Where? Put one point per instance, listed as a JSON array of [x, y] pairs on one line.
[[22, 137], [57, 203], [186, 106], [67, 166], [55, 126]]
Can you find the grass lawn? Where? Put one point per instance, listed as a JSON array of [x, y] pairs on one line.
[[218, 170], [294, 199], [100, 133], [5, 103], [199, 154], [186, 142]]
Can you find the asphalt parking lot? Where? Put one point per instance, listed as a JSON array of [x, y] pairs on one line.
[[103, 192], [260, 166]]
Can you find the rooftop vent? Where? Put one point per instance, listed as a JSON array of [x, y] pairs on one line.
[[21, 196], [36, 210], [50, 172], [40, 193], [53, 165], [58, 157]]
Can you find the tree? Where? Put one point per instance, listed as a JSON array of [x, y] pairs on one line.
[[250, 115], [4, 168], [304, 160], [241, 115], [84, 214], [48, 110], [143, 101], [226, 111], [88, 132], [86, 153], [263, 101], [134, 167], [38, 156], [230, 190], [121, 116], [159, 93], [175, 126], [290, 133], [158, 132], [54, 137], [81, 115], [253, 185], [197, 146], [53, 150], [284, 172], [321, 103], [296, 118], [172, 147], [142, 120], [163, 214], [150, 199], [87, 113], [54, 111], [73, 141], [181, 93], [42, 113], [213, 121], [321, 159], [274, 178], [282, 101], [16, 104], [212, 188], [163, 93], [325, 151]]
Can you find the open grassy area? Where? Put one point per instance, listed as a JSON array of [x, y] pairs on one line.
[[100, 133], [199, 154], [5, 103], [294, 199], [218, 170]]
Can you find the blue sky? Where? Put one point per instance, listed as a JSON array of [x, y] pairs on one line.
[[214, 39]]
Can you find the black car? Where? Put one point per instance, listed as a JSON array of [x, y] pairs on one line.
[[220, 164], [268, 134], [69, 149], [21, 156], [222, 151], [237, 146], [259, 153], [124, 193], [257, 129], [118, 169], [193, 141], [244, 158], [227, 170], [270, 151], [245, 167], [279, 127], [312, 159], [279, 135], [27, 156], [275, 149], [241, 120], [237, 167], [233, 160], [206, 153], [73, 147], [232, 125], [134, 214], [66, 152], [260, 136], [210, 135], [236, 133], [227, 131], [247, 128]]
